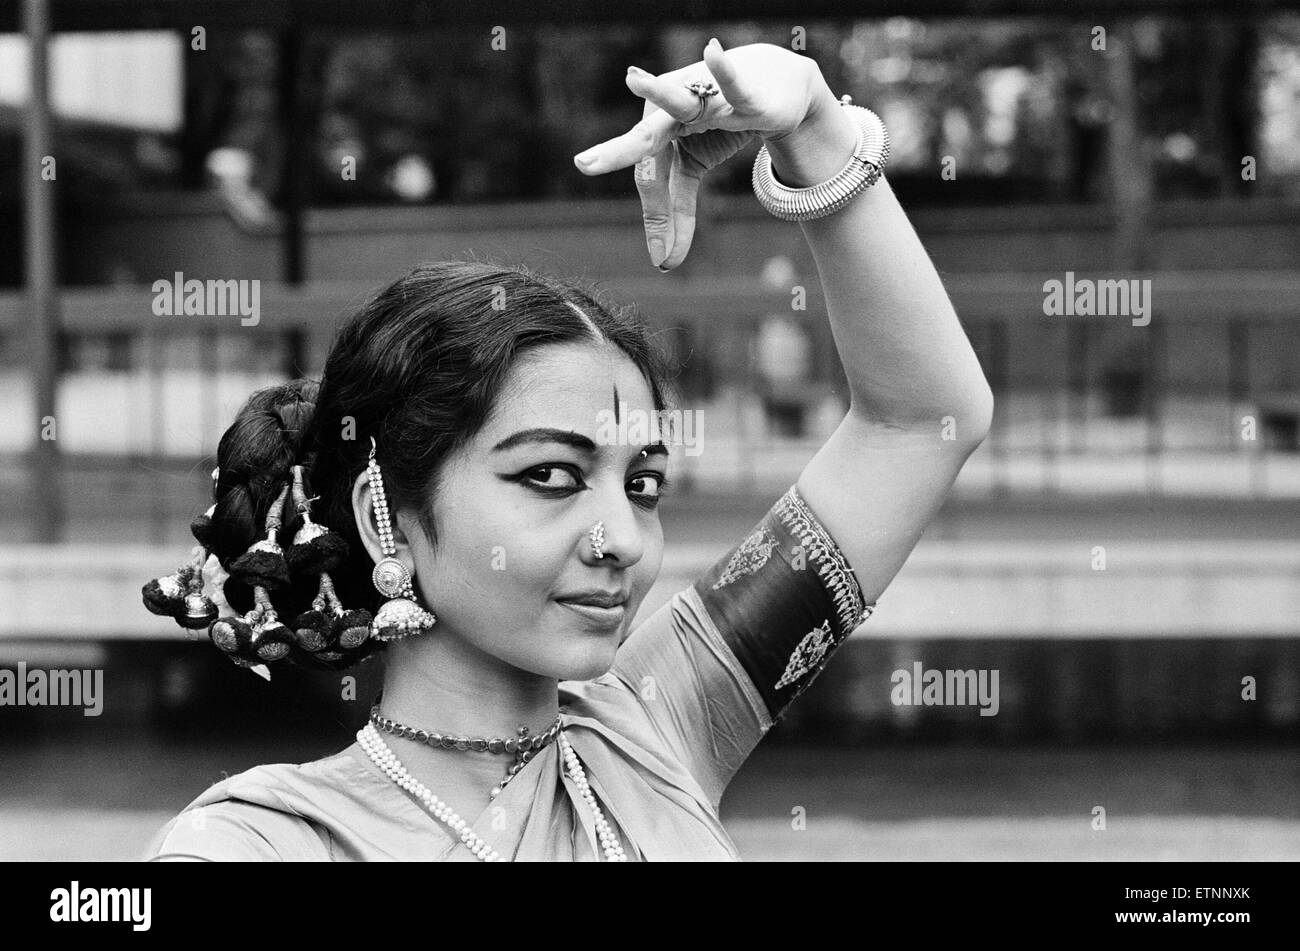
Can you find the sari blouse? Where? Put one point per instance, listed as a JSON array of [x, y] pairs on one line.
[[692, 690]]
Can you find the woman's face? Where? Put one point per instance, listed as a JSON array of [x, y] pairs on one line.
[[517, 504]]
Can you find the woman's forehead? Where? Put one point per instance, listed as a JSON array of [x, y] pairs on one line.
[[574, 386]]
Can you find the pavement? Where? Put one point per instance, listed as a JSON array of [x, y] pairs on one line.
[[788, 803]]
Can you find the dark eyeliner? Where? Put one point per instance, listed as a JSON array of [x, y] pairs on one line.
[[557, 491], [651, 502]]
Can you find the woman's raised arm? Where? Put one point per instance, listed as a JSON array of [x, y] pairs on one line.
[[919, 402]]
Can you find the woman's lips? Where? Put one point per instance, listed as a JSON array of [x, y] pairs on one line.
[[606, 617]]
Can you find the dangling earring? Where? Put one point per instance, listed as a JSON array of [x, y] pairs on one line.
[[597, 534], [400, 616]]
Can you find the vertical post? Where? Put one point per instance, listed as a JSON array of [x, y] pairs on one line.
[[1155, 397], [40, 274], [296, 167], [1238, 377], [210, 388], [1052, 410], [155, 347], [1077, 368], [294, 352], [1130, 170], [1239, 397]]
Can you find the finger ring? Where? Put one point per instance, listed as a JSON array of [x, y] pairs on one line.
[[705, 91]]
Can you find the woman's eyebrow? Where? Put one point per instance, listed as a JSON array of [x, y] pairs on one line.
[[541, 435], [526, 437]]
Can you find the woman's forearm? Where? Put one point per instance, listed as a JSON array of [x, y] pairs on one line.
[[906, 356]]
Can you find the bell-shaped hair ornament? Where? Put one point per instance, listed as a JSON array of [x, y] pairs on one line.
[[315, 548], [271, 640], [165, 596]]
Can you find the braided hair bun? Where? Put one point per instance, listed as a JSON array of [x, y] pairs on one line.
[[276, 561]]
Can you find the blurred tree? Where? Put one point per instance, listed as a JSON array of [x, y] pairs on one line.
[[1017, 109]]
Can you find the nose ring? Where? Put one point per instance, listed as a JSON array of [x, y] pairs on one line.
[[597, 534]]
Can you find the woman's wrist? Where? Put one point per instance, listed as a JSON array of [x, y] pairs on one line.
[[818, 148]]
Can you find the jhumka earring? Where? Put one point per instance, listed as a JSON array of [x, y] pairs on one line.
[[400, 616], [597, 534]]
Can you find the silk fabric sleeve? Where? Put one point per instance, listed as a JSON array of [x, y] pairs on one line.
[[717, 666], [784, 600]]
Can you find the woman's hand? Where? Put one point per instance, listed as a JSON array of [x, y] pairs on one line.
[[764, 90]]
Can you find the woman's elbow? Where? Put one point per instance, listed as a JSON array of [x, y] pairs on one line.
[[978, 415]]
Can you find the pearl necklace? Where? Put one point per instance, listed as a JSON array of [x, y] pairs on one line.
[[608, 840], [388, 763]]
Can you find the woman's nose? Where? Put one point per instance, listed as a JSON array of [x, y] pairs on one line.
[[614, 532]]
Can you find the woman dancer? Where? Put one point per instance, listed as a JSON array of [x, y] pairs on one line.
[[446, 494]]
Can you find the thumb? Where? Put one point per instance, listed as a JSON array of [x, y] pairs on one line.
[[733, 89]]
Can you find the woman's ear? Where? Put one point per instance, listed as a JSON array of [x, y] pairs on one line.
[[364, 513]]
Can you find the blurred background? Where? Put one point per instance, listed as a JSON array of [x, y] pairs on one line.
[[1122, 549]]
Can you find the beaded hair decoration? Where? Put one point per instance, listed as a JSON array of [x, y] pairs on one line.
[[327, 631]]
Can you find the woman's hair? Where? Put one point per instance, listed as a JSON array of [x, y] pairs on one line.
[[418, 368]]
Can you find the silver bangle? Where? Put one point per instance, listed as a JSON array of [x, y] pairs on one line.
[[862, 170]]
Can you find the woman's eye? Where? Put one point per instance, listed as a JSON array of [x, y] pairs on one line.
[[649, 485], [562, 480], [572, 482]]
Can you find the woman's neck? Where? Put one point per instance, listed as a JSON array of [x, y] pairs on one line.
[[444, 685]]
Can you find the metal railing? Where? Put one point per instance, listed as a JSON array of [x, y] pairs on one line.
[[141, 390]]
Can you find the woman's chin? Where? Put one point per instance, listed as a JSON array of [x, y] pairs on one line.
[[593, 661]]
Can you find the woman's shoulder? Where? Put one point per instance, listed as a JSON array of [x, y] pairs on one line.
[[270, 812]]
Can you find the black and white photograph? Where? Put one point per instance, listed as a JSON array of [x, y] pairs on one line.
[[746, 431]]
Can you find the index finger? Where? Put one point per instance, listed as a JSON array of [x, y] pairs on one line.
[[652, 175], [647, 137]]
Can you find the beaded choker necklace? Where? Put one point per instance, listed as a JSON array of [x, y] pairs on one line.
[[523, 746]]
